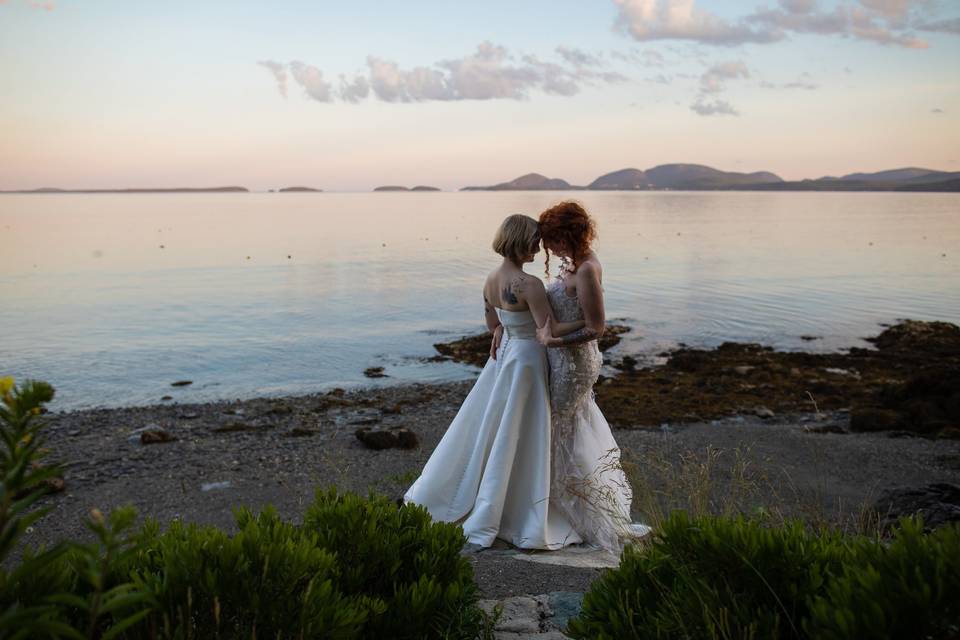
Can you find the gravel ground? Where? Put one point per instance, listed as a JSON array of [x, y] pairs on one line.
[[278, 451]]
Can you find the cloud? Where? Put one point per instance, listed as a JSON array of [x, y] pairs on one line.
[[683, 20], [803, 81], [354, 90], [880, 21], [842, 20], [951, 25], [798, 6], [889, 8], [279, 73], [714, 78], [579, 57], [715, 108], [35, 4], [392, 84], [487, 74], [311, 79]]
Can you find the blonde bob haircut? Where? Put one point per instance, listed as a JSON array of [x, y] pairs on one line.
[[517, 236]]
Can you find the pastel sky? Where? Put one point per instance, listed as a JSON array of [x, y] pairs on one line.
[[349, 95]]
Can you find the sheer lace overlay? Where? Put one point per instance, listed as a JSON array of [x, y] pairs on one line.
[[587, 481]]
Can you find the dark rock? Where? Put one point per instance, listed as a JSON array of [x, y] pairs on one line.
[[611, 336], [181, 383], [167, 398], [188, 416], [565, 605], [393, 438], [473, 350], [374, 372], [809, 338], [937, 504], [913, 335], [825, 428], [762, 412], [627, 363], [873, 419], [156, 436]]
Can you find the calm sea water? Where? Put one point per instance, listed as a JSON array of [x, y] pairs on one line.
[[112, 297]]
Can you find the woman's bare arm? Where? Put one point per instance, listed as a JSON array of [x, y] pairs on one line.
[[489, 312], [534, 294]]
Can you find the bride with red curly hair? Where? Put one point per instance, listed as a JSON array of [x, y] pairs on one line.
[[588, 484]]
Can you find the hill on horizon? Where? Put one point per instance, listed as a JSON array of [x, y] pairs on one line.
[[699, 177]]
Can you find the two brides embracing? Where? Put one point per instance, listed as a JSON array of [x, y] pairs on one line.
[[529, 458]]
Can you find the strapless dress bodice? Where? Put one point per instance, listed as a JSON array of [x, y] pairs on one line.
[[518, 325]]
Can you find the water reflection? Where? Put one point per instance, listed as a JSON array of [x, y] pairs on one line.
[[112, 297]]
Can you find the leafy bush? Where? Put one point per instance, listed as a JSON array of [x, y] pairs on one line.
[[402, 557], [735, 578], [357, 568], [907, 589]]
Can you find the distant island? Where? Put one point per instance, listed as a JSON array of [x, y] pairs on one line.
[[677, 177], [698, 177], [528, 182], [147, 190], [401, 188]]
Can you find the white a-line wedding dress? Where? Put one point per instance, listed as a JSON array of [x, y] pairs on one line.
[[492, 468]]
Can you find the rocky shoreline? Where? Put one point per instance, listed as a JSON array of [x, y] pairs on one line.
[[813, 464]]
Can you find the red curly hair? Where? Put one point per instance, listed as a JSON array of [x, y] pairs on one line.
[[567, 224]]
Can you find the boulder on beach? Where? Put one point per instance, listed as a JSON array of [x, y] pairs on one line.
[[937, 504], [392, 438]]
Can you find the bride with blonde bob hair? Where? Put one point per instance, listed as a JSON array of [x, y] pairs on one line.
[[491, 470]]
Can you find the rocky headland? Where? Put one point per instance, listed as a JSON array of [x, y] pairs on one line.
[[698, 177]]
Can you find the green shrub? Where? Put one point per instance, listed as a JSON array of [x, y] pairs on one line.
[[358, 567], [909, 588], [735, 578], [402, 557], [268, 580]]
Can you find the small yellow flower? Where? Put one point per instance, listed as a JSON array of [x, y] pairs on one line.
[[25, 440], [96, 515], [35, 411], [6, 385]]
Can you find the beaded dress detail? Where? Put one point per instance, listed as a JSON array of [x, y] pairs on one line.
[[588, 484]]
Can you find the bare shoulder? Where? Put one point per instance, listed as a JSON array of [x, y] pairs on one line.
[[591, 270], [490, 284], [524, 284]]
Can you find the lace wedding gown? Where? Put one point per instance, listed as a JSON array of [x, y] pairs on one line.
[[492, 467], [588, 484]]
